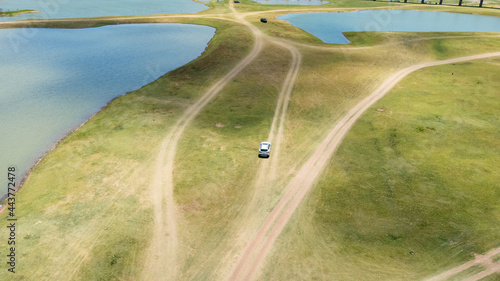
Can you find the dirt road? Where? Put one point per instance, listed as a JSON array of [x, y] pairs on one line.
[[258, 248], [161, 262], [481, 260]]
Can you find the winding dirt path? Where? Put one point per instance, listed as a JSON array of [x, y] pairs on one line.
[[258, 248], [267, 169], [162, 253], [483, 260]]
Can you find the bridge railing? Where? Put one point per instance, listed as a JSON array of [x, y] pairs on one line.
[[465, 3]]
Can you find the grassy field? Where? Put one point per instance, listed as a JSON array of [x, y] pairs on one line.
[[212, 195], [281, 29], [86, 212], [416, 173]]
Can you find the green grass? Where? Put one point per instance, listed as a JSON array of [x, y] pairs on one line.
[[417, 175], [331, 82], [252, 6]]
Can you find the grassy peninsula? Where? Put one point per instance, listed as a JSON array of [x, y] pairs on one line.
[[15, 13]]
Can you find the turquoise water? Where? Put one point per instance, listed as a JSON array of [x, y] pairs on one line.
[[329, 26], [54, 79], [55, 9], [292, 2]]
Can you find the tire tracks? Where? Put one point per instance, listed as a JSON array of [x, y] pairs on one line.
[[485, 260], [276, 134]]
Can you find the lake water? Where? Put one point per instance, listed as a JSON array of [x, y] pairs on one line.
[[54, 79], [329, 26], [292, 2], [55, 9]]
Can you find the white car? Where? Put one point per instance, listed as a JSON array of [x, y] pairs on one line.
[[264, 149]]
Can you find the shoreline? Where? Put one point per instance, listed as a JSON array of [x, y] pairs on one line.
[[38, 159], [25, 176]]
